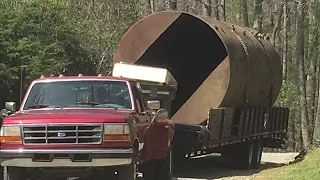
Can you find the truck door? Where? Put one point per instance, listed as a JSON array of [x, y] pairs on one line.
[[143, 117]]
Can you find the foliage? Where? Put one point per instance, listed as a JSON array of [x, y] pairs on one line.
[[52, 37], [308, 169]]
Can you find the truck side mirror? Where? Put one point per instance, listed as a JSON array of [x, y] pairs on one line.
[[154, 104], [162, 114], [10, 106]]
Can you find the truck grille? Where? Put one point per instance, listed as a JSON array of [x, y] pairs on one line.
[[62, 134]]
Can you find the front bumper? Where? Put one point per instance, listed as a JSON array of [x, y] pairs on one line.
[[66, 157]]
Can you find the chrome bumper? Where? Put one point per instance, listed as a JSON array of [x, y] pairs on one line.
[[66, 157]]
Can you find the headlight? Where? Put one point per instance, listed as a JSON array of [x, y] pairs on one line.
[[116, 132], [10, 134]]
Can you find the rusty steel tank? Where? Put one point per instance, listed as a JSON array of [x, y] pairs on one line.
[[216, 64]]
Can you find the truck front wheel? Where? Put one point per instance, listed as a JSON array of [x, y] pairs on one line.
[[128, 172], [14, 173], [159, 169]]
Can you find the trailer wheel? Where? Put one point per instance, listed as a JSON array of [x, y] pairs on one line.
[[13, 173], [257, 153], [244, 159]]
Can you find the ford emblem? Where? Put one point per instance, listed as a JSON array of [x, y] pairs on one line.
[[61, 134]]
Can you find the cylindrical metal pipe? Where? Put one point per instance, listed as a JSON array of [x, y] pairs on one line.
[[216, 64]]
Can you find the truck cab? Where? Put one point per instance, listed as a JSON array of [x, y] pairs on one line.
[[88, 126]]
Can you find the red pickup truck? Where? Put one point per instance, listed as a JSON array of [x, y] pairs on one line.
[[86, 126]]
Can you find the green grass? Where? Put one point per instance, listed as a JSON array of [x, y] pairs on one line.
[[308, 169]]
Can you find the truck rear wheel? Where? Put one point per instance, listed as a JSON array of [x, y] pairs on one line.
[[257, 154], [14, 173]]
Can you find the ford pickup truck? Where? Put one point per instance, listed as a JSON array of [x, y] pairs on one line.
[[95, 127]]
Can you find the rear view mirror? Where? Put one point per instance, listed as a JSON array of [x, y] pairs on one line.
[[10, 106], [154, 104]]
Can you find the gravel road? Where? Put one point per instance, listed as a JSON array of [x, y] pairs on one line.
[[212, 167]]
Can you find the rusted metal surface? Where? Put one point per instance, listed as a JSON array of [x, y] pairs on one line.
[[216, 64]]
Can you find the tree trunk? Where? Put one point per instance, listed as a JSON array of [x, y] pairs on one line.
[[301, 74], [216, 8], [224, 13], [146, 7], [257, 15], [152, 6], [207, 8], [277, 26], [173, 4], [285, 41], [245, 16]]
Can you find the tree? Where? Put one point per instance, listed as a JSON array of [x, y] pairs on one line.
[[301, 74], [258, 16], [244, 6]]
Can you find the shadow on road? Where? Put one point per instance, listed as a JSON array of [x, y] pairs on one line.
[[214, 167]]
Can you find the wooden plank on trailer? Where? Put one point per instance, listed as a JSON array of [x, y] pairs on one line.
[[286, 118], [227, 121], [242, 122], [278, 119], [260, 120], [275, 118], [266, 120], [281, 119], [272, 113], [247, 121], [256, 120], [215, 123], [252, 120], [271, 117]]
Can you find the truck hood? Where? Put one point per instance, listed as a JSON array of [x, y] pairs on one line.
[[68, 116]]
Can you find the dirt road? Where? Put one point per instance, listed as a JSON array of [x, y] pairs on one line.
[[212, 167]]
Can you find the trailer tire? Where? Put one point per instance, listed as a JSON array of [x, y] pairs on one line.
[[13, 173], [244, 161], [257, 154]]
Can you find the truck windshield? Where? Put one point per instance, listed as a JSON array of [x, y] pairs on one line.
[[74, 94]]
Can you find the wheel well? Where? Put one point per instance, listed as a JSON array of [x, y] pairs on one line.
[[135, 144]]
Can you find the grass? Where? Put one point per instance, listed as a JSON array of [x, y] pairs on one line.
[[308, 169]]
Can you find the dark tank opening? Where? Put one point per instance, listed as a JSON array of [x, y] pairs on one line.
[[190, 50]]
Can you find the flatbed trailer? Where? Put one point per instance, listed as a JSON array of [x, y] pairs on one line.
[[230, 131], [227, 79]]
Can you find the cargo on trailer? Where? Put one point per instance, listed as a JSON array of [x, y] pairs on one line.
[[216, 64]]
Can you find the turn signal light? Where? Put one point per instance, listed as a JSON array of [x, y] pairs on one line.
[[10, 134], [10, 139], [117, 137]]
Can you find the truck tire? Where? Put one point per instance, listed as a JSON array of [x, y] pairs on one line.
[[166, 168], [244, 159], [159, 169], [14, 173], [257, 154], [128, 172]]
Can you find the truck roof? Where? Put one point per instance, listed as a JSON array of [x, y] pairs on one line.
[[80, 77]]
